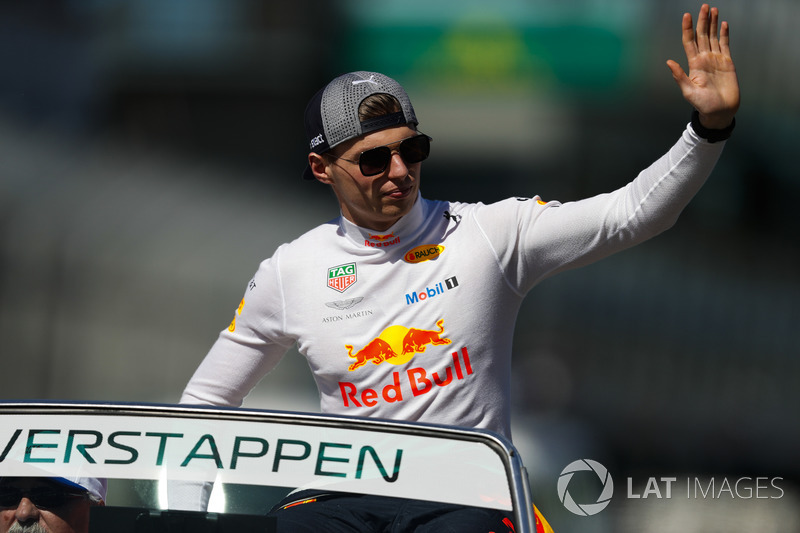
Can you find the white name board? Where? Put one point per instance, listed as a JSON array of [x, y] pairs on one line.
[[254, 453]]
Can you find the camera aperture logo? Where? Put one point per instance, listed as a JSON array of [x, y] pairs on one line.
[[585, 509]]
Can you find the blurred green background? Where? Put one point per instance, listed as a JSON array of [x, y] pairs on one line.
[[150, 158]]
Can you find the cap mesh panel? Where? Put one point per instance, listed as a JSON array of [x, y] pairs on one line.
[[343, 95]]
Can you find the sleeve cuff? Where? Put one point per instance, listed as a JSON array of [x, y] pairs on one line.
[[710, 135]]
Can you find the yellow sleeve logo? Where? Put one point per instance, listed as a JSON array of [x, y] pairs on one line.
[[232, 327]]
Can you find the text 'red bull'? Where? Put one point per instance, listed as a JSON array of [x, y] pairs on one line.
[[414, 380], [381, 241]]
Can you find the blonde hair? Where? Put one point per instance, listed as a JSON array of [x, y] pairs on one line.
[[378, 105]]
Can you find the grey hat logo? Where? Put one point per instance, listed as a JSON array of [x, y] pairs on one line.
[[370, 80], [586, 509]]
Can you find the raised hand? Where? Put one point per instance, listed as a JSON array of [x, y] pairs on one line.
[[711, 85]]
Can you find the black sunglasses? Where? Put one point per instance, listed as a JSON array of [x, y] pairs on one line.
[[43, 497], [375, 160]]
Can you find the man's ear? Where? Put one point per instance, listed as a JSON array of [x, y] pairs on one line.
[[319, 167]]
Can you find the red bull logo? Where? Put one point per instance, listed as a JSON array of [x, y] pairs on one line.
[[409, 384], [397, 345], [380, 241]]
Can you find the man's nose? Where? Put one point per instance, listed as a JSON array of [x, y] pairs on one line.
[[26, 511], [397, 167]]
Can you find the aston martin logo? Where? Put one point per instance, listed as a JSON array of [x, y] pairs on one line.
[[345, 304]]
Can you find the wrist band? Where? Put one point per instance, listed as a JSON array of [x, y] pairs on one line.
[[710, 135]]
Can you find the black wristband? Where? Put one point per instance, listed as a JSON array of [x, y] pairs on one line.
[[711, 136]]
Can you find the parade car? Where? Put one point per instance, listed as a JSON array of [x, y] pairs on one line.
[[249, 460]]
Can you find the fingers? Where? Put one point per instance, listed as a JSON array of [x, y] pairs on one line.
[[702, 34], [725, 39], [713, 37], [710, 36], [689, 44]]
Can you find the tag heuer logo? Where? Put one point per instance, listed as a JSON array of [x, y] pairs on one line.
[[341, 277]]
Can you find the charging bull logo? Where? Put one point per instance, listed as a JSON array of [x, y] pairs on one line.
[[377, 351], [396, 345]]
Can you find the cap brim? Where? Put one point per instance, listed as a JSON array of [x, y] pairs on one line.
[[97, 487], [67, 483], [94, 486]]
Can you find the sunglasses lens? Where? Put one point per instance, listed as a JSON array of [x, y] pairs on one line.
[[374, 161], [10, 497], [45, 498], [412, 150], [50, 499], [415, 149]]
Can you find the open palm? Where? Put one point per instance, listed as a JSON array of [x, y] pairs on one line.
[[711, 85]]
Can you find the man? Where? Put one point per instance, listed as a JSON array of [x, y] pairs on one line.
[[405, 307], [48, 505]]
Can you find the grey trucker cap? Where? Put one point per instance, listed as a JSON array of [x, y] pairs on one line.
[[331, 116]]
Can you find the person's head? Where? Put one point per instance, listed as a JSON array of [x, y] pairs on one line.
[[48, 505], [364, 143]]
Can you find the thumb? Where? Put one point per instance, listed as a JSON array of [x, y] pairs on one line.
[[679, 76]]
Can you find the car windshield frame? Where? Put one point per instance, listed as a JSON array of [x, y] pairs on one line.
[[435, 449]]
